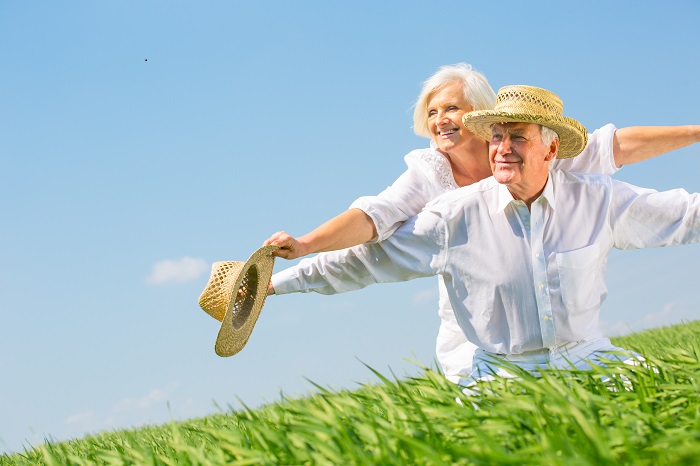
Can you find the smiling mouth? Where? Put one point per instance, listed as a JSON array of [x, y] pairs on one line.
[[448, 132]]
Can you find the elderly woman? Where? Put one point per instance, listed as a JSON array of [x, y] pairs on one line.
[[454, 159]]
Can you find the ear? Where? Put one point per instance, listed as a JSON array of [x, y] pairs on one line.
[[553, 149]]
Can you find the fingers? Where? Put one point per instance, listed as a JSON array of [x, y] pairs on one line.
[[281, 239], [288, 246], [285, 254], [273, 238]]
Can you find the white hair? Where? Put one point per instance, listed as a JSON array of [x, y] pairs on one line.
[[548, 135], [475, 86]]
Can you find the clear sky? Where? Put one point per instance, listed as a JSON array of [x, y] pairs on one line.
[[140, 141]]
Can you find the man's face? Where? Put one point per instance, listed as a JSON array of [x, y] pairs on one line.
[[519, 159]]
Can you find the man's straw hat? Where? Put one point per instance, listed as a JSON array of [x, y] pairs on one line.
[[528, 104], [235, 295]]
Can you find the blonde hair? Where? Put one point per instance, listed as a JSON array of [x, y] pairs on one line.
[[475, 86]]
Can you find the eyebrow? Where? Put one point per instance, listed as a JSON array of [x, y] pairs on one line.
[[502, 128]]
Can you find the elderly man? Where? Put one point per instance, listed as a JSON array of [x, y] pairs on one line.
[[523, 253]]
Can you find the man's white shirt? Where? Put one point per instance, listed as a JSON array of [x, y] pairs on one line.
[[517, 280]]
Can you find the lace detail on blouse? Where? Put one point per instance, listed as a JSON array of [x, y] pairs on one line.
[[441, 167]]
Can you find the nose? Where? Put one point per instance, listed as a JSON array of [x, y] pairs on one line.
[[441, 117], [504, 146]]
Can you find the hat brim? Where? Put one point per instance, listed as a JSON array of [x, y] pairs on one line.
[[247, 300], [573, 136]]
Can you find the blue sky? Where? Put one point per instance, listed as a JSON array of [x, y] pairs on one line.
[[143, 140]]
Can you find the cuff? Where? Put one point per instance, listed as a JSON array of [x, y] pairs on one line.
[[285, 281], [367, 207]]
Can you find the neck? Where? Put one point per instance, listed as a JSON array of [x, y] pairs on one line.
[[471, 164], [526, 194]]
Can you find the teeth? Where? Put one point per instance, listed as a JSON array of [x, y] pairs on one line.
[[448, 132]]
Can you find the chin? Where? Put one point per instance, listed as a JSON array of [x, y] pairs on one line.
[[447, 148], [504, 178]]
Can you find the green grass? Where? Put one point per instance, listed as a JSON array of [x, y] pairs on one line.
[[644, 416]]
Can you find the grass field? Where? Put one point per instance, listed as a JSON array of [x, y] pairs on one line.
[[645, 415]]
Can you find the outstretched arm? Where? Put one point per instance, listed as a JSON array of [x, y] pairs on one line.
[[638, 143], [370, 217], [413, 251], [646, 218], [350, 228]]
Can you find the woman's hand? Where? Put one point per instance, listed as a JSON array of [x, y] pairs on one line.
[[290, 248], [348, 229]]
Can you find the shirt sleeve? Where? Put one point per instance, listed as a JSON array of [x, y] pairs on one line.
[[414, 250], [646, 218], [597, 157], [400, 201]]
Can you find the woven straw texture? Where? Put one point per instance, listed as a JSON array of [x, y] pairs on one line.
[[528, 104], [235, 295], [218, 291]]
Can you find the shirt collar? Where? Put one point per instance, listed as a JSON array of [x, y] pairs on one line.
[[433, 146], [505, 197], [548, 193]]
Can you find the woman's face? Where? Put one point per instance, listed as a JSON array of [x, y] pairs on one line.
[[445, 110]]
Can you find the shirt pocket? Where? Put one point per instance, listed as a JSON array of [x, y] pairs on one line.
[[579, 277]]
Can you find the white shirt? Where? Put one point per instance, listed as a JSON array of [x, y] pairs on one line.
[[517, 280], [428, 176]]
